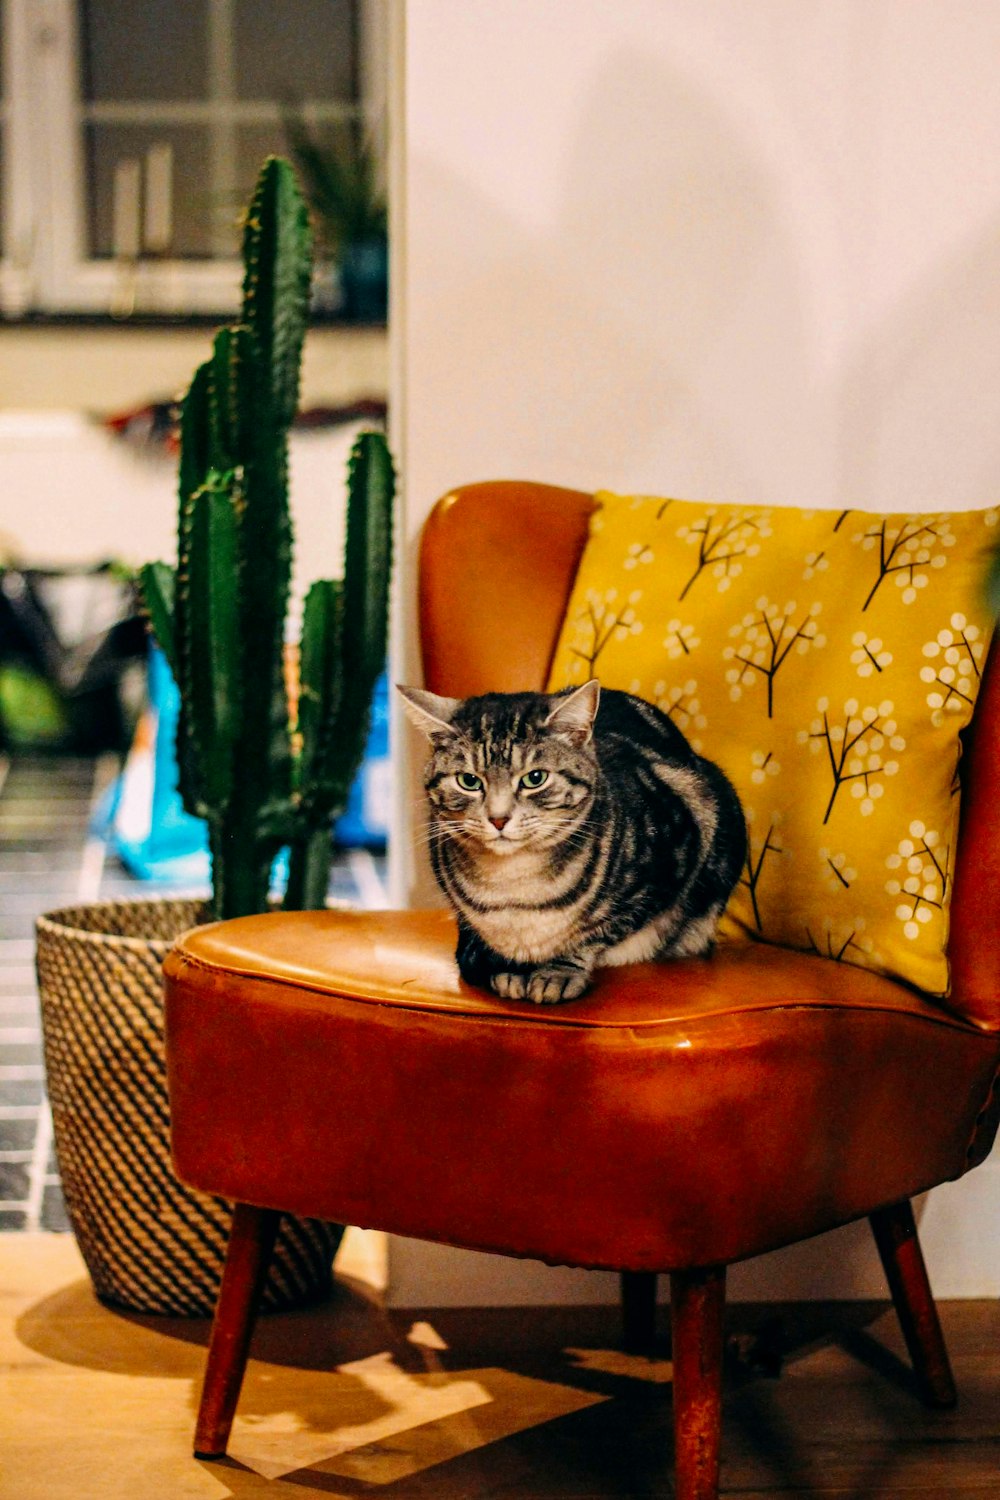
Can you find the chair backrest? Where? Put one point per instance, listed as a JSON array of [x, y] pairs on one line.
[[496, 569], [497, 566]]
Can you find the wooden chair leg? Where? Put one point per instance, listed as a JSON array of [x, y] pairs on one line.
[[895, 1233], [248, 1255], [697, 1304], [638, 1311]]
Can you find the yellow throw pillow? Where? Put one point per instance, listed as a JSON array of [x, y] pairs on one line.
[[827, 660]]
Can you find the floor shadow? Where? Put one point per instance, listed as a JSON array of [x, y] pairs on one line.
[[74, 1328]]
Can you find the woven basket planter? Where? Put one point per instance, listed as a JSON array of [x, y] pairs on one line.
[[150, 1244]]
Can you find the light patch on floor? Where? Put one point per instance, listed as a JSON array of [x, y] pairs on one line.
[[623, 1366], [512, 1404], [373, 1399]]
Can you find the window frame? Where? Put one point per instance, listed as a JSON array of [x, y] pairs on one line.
[[45, 268]]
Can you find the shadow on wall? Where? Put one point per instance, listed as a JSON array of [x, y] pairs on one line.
[[918, 422], [672, 327], [581, 332]]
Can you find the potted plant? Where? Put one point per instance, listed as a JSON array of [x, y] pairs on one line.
[[266, 768], [340, 172]]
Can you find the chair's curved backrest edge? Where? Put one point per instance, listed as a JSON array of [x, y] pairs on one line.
[[974, 936], [497, 563]]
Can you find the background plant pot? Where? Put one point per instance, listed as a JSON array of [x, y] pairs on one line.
[[149, 1243], [364, 278]]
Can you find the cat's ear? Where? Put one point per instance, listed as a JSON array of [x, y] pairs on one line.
[[574, 714], [431, 713]]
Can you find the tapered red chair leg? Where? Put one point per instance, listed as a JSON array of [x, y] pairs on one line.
[[638, 1311], [697, 1303], [898, 1244], [248, 1255]]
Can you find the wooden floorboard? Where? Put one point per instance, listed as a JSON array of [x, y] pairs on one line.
[[512, 1404]]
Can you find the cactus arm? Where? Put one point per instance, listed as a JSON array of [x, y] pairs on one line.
[[247, 436], [367, 572], [265, 566], [158, 585], [277, 253], [337, 747], [319, 672], [211, 684], [368, 555], [309, 858], [212, 732], [224, 396], [195, 461], [195, 436], [343, 651], [319, 693], [237, 398]]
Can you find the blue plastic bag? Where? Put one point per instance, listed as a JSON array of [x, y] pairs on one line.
[[144, 818]]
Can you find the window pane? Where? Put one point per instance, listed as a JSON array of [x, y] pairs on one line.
[[195, 207], [144, 49], [208, 78], [298, 49]]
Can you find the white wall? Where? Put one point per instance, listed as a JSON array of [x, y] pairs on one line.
[[749, 252], [70, 492]]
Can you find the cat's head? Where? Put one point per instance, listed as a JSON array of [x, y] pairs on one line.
[[508, 771]]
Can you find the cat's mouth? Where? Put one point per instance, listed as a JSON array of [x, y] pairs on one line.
[[504, 843]]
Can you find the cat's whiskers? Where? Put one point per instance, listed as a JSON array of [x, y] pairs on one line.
[[424, 838]]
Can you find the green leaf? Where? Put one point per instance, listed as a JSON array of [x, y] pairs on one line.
[[341, 178], [158, 585]]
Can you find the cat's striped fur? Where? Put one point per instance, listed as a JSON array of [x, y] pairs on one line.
[[572, 830]]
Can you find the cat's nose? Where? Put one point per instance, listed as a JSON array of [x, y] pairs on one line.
[[499, 823]]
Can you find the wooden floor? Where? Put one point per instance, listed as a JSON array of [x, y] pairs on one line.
[[350, 1401]]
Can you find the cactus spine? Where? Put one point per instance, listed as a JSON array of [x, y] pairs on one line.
[[261, 780]]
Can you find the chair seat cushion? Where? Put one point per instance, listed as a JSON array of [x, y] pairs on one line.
[[686, 1113]]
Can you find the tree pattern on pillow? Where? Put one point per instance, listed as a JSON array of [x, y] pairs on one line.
[[828, 660]]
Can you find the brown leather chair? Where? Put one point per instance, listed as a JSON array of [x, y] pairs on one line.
[[677, 1118]]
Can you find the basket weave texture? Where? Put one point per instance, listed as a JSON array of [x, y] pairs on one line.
[[149, 1243]]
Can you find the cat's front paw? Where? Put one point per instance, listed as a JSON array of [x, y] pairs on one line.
[[545, 986]]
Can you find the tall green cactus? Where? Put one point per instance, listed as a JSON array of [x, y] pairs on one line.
[[261, 781]]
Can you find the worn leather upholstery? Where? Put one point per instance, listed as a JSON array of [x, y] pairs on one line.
[[669, 1118], [681, 1115]]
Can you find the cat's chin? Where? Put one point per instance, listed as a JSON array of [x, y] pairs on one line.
[[504, 847]]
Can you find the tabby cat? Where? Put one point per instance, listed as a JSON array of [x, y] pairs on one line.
[[571, 830]]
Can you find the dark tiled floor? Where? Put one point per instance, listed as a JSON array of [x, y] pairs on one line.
[[49, 859]]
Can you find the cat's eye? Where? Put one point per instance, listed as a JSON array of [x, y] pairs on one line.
[[532, 779], [468, 782]]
